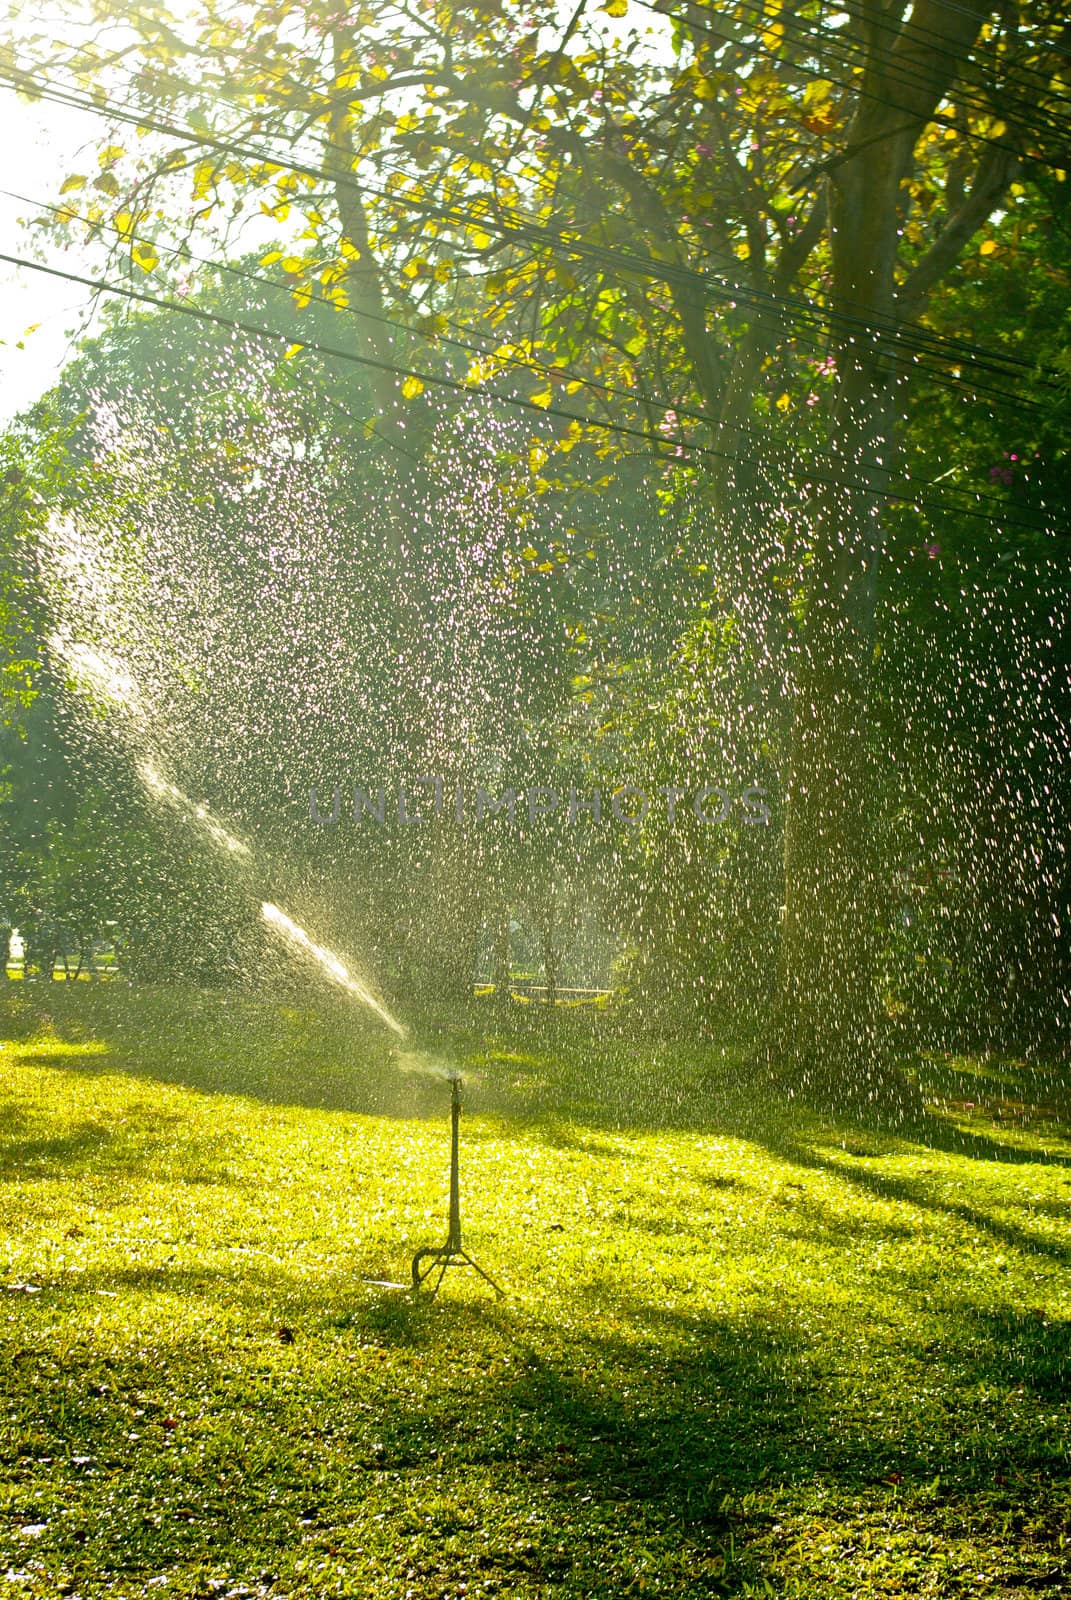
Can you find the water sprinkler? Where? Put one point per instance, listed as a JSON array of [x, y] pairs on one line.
[[452, 1253]]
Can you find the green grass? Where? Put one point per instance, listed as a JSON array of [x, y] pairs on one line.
[[745, 1351]]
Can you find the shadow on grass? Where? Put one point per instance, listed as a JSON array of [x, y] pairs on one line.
[[26, 1154], [145, 1140], [682, 1438], [883, 1186], [565, 1082], [621, 1433]]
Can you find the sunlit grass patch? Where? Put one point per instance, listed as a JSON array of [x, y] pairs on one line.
[[744, 1349]]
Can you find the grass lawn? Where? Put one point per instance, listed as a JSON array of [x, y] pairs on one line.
[[745, 1351]]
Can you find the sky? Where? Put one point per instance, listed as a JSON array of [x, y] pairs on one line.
[[42, 144]]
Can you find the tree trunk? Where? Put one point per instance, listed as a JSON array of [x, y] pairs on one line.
[[500, 975], [550, 958], [827, 1028]]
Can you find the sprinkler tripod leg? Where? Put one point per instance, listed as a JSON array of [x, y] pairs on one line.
[[426, 1261], [422, 1272], [486, 1276]]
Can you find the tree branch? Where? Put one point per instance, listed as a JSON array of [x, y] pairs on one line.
[[996, 170]]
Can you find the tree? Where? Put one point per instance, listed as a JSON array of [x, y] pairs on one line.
[[238, 599], [673, 231], [972, 681]]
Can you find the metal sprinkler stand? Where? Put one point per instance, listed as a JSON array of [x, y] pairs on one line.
[[452, 1254]]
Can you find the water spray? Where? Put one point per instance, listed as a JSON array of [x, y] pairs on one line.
[[452, 1253], [328, 963]]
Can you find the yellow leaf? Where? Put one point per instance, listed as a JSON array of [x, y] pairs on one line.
[[783, 402], [271, 257], [529, 554], [615, 8], [124, 224], [110, 153], [349, 250], [412, 387], [203, 176], [817, 92], [292, 350], [75, 181], [145, 256], [987, 247], [543, 398], [293, 264]]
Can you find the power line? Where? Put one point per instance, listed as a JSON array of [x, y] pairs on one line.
[[935, 35], [905, 333], [969, 385], [442, 381], [605, 391], [910, 336], [854, 56], [959, 352]]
